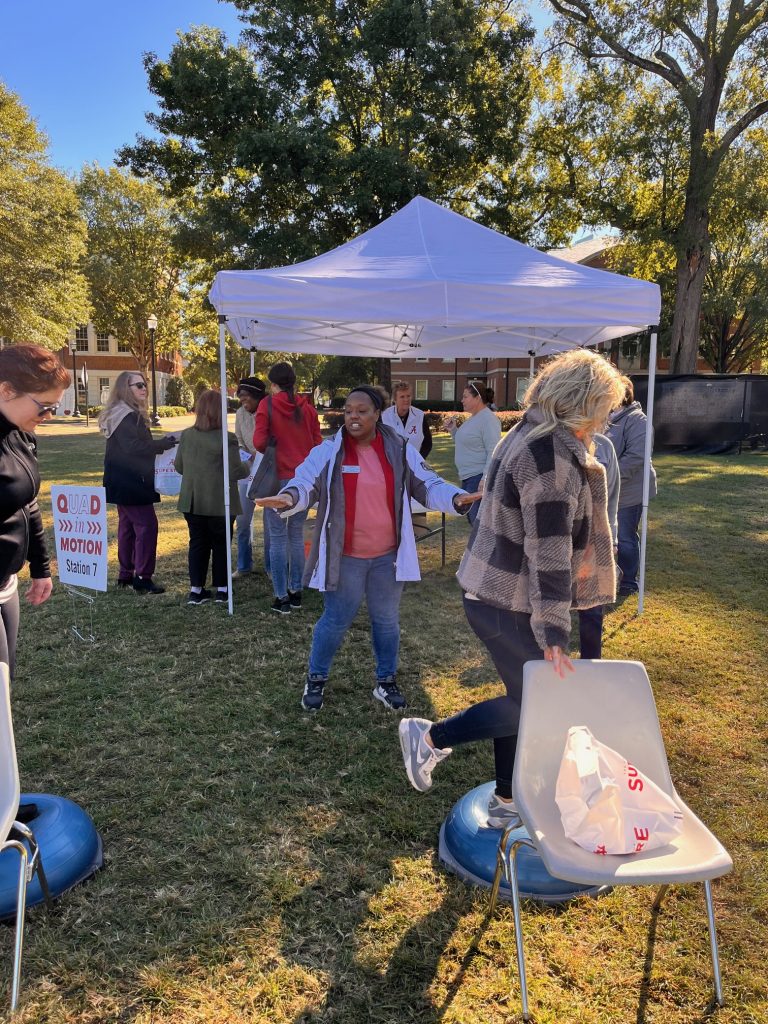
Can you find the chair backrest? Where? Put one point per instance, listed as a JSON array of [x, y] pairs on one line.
[[612, 698], [9, 770]]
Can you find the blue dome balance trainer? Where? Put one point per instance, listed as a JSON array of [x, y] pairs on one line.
[[468, 849], [70, 851]]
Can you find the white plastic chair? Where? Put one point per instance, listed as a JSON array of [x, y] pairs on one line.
[[615, 701], [11, 830]]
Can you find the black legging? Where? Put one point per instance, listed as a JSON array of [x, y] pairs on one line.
[[9, 631]]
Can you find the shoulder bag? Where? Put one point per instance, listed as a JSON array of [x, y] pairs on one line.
[[265, 480]]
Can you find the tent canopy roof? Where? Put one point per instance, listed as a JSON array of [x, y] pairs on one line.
[[428, 281]]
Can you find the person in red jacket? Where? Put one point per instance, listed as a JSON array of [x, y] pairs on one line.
[[293, 422]]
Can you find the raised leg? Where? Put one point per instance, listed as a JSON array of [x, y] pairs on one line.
[[713, 943]]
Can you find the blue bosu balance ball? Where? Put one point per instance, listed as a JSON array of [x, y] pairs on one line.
[[468, 849], [70, 850]]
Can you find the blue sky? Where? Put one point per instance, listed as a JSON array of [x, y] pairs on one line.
[[77, 65]]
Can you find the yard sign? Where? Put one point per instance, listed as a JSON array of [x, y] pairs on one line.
[[80, 528]]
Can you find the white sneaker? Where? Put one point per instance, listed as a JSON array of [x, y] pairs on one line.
[[420, 759], [502, 813]]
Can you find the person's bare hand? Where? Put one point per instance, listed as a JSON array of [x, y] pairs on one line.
[[560, 660], [276, 501], [468, 499], [39, 591]]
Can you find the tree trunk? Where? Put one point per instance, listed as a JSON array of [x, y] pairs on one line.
[[384, 373], [692, 266]]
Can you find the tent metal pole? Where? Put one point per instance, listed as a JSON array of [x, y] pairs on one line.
[[532, 363], [654, 331], [225, 453]]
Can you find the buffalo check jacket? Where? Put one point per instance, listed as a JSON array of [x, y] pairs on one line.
[[542, 544]]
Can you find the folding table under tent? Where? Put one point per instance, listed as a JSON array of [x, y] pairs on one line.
[[428, 281]]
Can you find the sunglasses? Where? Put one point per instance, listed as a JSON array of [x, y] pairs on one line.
[[43, 410], [139, 384]]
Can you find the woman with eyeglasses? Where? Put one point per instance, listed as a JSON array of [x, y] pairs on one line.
[[129, 479], [32, 381], [475, 440]]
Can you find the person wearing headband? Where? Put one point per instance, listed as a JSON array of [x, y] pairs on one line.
[[363, 546], [475, 440], [293, 422]]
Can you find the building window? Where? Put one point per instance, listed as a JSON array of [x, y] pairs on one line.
[[521, 386], [81, 338], [394, 359], [476, 359], [422, 359], [421, 391], [102, 342], [449, 360], [123, 346], [448, 391], [103, 383]]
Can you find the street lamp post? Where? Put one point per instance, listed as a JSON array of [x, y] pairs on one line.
[[76, 410], [152, 327]]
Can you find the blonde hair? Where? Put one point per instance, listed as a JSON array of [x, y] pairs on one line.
[[577, 390], [123, 392]]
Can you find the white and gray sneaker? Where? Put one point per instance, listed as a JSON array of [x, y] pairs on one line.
[[502, 813], [420, 759]]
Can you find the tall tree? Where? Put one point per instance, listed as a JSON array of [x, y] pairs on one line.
[[131, 263], [712, 62], [329, 117], [42, 236]]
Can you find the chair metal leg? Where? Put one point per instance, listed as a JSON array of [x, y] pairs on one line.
[[501, 854], [713, 943], [21, 906], [35, 861], [512, 879]]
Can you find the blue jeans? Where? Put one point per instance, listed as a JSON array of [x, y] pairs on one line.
[[471, 484], [374, 579], [286, 549], [629, 547], [591, 632], [509, 640], [244, 552]]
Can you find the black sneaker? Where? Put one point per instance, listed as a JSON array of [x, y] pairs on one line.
[[387, 692], [313, 693], [222, 597], [122, 584], [294, 599], [281, 605], [201, 598], [146, 586]]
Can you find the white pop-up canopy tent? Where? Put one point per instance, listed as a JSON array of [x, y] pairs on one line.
[[430, 282]]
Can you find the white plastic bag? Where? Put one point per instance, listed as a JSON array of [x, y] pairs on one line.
[[607, 805], [167, 480]]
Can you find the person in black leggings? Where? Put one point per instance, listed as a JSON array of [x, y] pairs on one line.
[[32, 381], [541, 546]]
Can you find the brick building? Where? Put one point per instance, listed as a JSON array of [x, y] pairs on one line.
[[105, 358]]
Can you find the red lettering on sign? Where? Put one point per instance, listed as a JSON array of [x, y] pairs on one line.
[[95, 504], [61, 502]]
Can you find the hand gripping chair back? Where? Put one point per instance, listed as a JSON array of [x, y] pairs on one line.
[[615, 701]]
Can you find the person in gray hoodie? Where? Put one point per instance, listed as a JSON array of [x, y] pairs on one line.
[[626, 430]]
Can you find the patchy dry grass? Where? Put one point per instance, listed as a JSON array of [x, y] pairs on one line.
[[266, 866]]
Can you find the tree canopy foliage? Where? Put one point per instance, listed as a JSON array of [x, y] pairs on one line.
[[131, 263], [329, 117], [42, 236], [668, 89]]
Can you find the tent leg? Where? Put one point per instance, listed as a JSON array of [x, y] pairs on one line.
[[647, 463], [225, 454]]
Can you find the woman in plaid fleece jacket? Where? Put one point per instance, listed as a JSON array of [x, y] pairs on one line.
[[541, 547]]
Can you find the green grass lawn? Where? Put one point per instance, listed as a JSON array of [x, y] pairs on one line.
[[265, 865]]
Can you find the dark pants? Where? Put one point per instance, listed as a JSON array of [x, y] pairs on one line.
[[136, 540], [9, 631], [510, 642], [629, 548], [591, 632], [207, 541], [470, 485]]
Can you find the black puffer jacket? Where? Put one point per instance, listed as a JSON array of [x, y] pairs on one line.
[[21, 525], [129, 462]]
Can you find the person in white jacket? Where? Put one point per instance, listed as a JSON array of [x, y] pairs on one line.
[[363, 546]]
